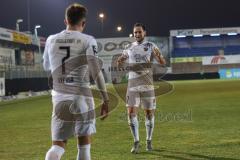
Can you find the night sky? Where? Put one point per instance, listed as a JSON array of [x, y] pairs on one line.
[[159, 16]]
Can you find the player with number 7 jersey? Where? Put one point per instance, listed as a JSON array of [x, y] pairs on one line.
[[71, 57]]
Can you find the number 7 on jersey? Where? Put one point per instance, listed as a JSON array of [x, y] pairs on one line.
[[67, 48]]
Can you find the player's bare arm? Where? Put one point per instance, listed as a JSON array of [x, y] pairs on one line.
[[97, 75]]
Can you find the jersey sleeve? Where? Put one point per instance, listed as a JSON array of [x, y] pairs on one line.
[[95, 67], [92, 48], [94, 63], [46, 62]]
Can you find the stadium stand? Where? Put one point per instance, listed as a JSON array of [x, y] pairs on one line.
[[191, 48], [188, 57]]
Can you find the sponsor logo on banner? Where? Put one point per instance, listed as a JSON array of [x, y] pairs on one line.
[[186, 59], [206, 31], [21, 38], [233, 73], [221, 59], [110, 46], [185, 32], [114, 45], [5, 34]]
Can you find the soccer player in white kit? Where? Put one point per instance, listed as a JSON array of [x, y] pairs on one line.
[[140, 56], [71, 56]]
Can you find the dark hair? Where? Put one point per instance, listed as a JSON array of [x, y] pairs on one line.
[[140, 25], [75, 13]]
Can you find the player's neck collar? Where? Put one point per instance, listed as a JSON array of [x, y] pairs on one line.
[[141, 42]]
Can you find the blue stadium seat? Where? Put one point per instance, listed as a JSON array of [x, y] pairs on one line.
[[204, 51]]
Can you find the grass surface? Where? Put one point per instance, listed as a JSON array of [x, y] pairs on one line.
[[197, 120]]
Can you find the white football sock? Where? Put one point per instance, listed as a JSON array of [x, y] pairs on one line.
[[84, 152], [134, 125], [55, 153], [149, 123]]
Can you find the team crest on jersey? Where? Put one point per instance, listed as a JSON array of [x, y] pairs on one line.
[[147, 46]]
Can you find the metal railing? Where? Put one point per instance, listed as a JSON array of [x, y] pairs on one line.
[[14, 72]]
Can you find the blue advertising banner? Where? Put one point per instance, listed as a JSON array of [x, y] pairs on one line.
[[233, 73]]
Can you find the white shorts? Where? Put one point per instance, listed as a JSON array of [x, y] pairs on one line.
[[73, 118], [141, 96]]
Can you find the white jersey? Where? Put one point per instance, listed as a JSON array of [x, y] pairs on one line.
[[64, 56], [139, 53]]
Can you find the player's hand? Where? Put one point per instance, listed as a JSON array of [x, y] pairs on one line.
[[119, 62], [104, 110], [158, 55]]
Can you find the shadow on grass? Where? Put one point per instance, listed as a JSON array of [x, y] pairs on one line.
[[162, 153]]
